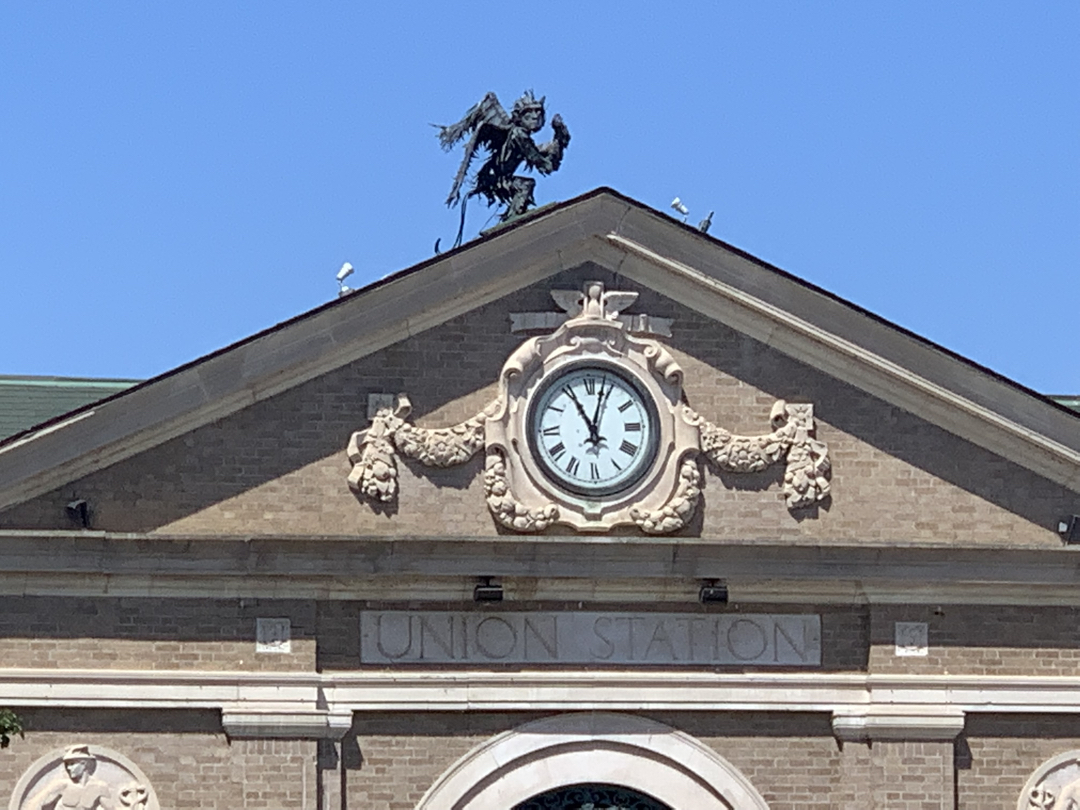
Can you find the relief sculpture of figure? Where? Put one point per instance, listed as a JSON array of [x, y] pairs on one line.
[[509, 142], [77, 788], [1069, 797]]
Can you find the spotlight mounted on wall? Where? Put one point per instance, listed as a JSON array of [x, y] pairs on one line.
[[713, 592], [79, 512], [1069, 529], [487, 591]]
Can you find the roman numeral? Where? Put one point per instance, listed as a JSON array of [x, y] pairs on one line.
[[625, 405], [551, 431], [628, 448], [590, 385], [594, 471], [615, 464], [572, 465], [556, 451], [632, 427]]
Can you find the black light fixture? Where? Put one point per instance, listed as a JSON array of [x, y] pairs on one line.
[[713, 592], [1069, 529], [487, 591], [79, 511]]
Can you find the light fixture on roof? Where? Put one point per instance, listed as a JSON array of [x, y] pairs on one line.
[[706, 223], [342, 274], [677, 204]]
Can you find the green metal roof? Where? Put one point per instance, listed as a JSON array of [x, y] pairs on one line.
[[29, 401], [1069, 401]]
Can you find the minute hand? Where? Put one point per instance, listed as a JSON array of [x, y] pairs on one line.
[[600, 400]]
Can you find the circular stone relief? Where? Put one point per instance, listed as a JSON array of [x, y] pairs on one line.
[[83, 777], [1055, 785]]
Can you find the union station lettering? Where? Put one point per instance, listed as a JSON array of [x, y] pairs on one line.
[[692, 639]]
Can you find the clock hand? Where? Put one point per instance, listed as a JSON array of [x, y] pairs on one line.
[[601, 405], [599, 400], [592, 429]]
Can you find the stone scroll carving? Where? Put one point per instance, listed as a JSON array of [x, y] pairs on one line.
[[592, 329], [83, 777], [1055, 785]]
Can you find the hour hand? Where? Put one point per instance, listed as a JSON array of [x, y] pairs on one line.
[[577, 404], [594, 438]]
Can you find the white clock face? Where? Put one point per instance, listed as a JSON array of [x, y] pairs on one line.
[[593, 430]]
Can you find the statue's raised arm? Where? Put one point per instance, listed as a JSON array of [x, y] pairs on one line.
[[552, 151], [508, 140]]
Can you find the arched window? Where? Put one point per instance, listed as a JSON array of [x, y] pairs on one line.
[[549, 764], [592, 797]]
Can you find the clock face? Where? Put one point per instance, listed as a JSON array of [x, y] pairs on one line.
[[593, 430]]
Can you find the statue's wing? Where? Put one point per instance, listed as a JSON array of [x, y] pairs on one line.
[[569, 301], [487, 112], [616, 301]]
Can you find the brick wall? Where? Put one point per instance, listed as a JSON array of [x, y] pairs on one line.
[[998, 640], [998, 753], [137, 633], [793, 760], [219, 634], [279, 466], [186, 757], [389, 760]]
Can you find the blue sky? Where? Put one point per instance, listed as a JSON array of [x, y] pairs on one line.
[[178, 176]]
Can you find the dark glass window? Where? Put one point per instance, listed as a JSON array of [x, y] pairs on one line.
[[592, 797]]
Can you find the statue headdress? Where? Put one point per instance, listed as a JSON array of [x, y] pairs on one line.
[[528, 102]]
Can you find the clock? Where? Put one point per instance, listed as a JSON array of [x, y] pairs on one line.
[[593, 429]]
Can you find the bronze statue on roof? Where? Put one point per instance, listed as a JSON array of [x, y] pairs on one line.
[[509, 142]]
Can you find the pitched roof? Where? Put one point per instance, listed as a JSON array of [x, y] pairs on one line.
[[28, 401], [614, 232], [1071, 401]]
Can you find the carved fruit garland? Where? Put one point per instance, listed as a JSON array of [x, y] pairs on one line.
[[373, 453]]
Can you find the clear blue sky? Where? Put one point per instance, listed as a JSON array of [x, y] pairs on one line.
[[176, 176]]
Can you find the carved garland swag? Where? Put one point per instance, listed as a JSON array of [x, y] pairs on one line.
[[373, 453]]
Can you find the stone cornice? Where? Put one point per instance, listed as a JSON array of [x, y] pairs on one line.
[[592, 569], [311, 705]]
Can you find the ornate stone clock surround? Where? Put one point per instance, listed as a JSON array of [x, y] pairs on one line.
[[520, 497]]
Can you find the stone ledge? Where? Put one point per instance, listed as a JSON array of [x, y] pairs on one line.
[[914, 724], [313, 725]]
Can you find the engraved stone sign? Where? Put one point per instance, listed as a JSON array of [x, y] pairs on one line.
[[596, 638], [83, 777]]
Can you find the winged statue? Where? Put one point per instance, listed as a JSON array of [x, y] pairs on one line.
[[508, 142]]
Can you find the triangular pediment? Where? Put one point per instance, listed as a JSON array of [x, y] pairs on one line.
[[790, 340]]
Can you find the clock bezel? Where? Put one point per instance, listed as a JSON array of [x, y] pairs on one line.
[[552, 473]]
